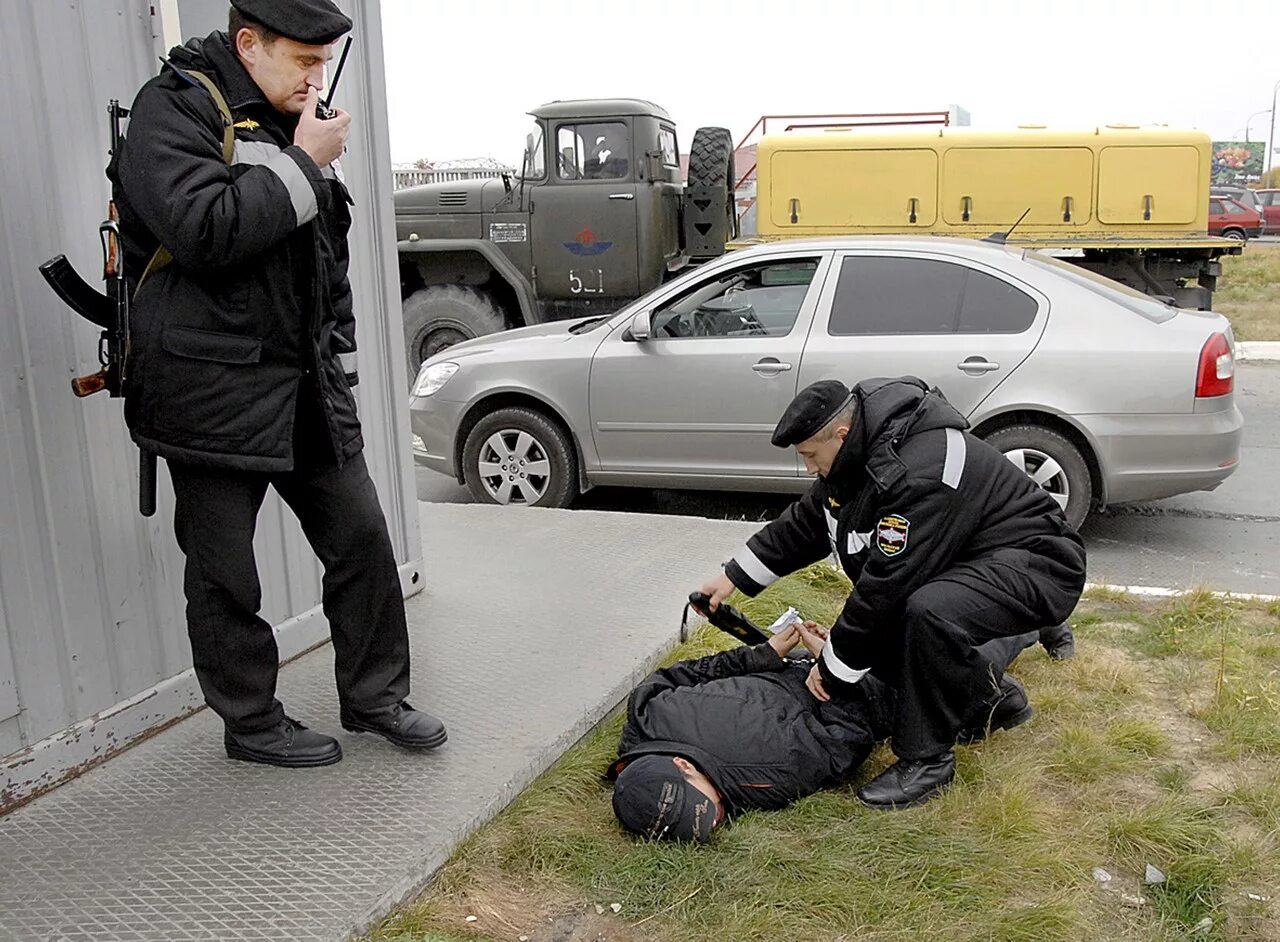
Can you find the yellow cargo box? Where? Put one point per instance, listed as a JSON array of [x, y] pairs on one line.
[[1098, 187]]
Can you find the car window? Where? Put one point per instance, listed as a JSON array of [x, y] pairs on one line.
[[1264, 199], [667, 145], [884, 295], [1235, 208], [1150, 308], [596, 151], [992, 306], [761, 300], [1215, 207]]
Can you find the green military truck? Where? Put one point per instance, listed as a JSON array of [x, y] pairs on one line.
[[597, 216]]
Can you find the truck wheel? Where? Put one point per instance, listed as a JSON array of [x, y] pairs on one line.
[[518, 456], [1236, 234], [1052, 462], [710, 212], [439, 316]]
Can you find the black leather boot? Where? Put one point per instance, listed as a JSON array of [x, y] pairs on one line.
[[1010, 709], [400, 724], [909, 782], [288, 744], [1059, 642]]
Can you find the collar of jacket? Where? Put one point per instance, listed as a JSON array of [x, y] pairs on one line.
[[890, 411], [214, 56]]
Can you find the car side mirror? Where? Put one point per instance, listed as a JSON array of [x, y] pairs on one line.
[[642, 326]]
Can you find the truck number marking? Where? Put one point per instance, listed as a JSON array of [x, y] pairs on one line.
[[590, 281]]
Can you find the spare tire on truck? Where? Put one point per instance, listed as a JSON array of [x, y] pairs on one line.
[[710, 210]]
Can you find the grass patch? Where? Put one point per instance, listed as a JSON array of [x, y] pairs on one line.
[[1248, 292], [1113, 772]]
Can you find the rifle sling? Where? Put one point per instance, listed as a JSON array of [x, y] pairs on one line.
[[162, 257]]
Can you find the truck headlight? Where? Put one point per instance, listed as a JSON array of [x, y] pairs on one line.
[[433, 377]]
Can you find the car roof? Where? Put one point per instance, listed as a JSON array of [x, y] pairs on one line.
[[971, 248], [599, 108]]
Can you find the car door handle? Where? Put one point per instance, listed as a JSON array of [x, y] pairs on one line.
[[771, 367], [977, 365], [622, 196]]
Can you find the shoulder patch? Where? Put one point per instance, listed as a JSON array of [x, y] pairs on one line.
[[891, 534]]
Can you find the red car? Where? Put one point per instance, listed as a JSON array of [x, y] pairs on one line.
[[1269, 200], [1233, 220]]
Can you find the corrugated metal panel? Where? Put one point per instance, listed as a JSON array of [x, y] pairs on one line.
[[91, 607]]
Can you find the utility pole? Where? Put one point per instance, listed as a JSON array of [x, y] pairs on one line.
[[1271, 135]]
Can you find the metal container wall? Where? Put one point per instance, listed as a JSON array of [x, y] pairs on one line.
[[93, 647]]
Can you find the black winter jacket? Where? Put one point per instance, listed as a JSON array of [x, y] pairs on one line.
[[256, 297], [745, 718], [912, 498]]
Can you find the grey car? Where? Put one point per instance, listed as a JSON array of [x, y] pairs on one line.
[[1101, 394]]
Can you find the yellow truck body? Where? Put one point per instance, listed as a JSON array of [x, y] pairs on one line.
[[1109, 187]]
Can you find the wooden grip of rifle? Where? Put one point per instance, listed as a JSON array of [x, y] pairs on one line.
[[88, 385], [112, 262]]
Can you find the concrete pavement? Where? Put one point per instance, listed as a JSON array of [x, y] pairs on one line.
[[171, 841]]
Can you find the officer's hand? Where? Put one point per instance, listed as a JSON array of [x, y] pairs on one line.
[[719, 589], [784, 641], [813, 636], [323, 140], [814, 683]]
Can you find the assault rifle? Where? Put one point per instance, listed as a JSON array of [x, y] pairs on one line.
[[109, 311]]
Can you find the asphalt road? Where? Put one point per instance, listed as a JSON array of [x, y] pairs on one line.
[[1228, 539]]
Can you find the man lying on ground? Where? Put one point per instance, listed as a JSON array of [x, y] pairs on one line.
[[715, 737]]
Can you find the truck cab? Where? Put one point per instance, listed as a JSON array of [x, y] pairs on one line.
[[592, 220]]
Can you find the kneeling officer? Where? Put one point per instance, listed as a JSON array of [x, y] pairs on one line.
[[948, 546]]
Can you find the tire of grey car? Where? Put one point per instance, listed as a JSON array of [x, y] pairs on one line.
[[519, 456], [438, 316], [1053, 462], [1237, 234]]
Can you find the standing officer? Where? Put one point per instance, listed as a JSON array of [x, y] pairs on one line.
[[948, 546], [242, 365]]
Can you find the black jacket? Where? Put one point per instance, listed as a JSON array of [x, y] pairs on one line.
[[256, 298], [912, 498], [745, 718]]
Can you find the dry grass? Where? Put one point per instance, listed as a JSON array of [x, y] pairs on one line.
[[1249, 292], [1159, 744]]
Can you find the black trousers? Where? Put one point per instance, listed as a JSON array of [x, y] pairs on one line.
[[233, 648], [956, 644]]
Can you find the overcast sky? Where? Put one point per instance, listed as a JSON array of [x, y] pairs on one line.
[[462, 73]]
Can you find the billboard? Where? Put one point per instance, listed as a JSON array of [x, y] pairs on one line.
[[1237, 162]]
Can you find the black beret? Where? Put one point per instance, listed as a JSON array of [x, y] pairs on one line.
[[810, 411], [314, 22]]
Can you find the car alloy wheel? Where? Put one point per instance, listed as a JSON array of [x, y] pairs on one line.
[[1043, 470], [514, 467]]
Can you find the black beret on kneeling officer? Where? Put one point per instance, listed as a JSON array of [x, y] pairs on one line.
[[948, 546], [315, 22]]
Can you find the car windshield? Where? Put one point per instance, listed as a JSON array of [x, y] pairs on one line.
[[534, 161], [1151, 308]]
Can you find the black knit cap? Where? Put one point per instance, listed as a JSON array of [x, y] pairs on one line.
[[652, 800], [810, 411], [314, 22]]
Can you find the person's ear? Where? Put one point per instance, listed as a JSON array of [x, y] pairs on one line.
[[842, 432], [684, 765], [247, 45]]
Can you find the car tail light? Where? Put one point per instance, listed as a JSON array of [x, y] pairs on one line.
[[1216, 376]]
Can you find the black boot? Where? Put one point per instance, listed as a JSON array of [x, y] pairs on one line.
[[288, 744], [909, 782], [400, 724], [1059, 642], [1010, 709]]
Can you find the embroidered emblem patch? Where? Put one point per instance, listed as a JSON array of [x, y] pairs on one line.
[[891, 534]]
